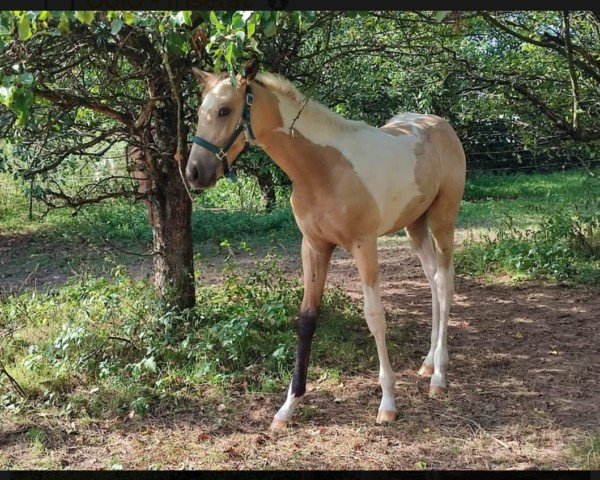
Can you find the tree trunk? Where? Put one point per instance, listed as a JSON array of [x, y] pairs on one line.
[[171, 213], [267, 190], [172, 238]]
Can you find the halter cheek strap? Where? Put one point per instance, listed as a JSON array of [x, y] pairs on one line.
[[243, 126]]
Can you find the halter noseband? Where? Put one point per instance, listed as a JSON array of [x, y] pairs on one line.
[[243, 125]]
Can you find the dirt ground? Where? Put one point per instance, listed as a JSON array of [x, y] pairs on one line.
[[523, 394]]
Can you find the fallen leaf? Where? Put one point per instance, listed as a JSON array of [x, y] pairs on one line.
[[203, 437], [230, 451]]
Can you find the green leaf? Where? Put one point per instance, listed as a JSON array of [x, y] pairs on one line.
[[229, 53], [233, 80], [187, 17], [22, 99], [309, 16], [440, 15], [24, 28], [270, 28], [6, 94], [238, 21], [5, 26], [116, 26], [26, 78], [2, 45], [176, 43], [215, 21], [251, 27], [45, 15], [150, 364], [63, 24], [129, 17], [85, 16]]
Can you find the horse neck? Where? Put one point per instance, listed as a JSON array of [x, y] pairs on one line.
[[306, 163]]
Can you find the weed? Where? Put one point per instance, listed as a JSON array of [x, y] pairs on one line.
[[305, 412], [564, 248], [37, 438]]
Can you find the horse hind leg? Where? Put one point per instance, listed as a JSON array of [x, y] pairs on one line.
[[441, 217], [422, 243]]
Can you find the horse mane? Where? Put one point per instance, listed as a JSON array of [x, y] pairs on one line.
[[313, 109]]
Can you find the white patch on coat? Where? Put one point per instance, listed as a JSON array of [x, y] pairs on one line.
[[384, 163]]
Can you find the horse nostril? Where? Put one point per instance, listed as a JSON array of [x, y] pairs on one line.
[[195, 174]]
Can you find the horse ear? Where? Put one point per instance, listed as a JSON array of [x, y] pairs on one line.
[[251, 68], [202, 76]]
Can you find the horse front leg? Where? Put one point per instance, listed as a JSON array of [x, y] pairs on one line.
[[315, 262], [365, 255]]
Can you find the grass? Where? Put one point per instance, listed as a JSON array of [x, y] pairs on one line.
[[588, 453], [540, 227], [67, 242], [490, 200], [69, 348]]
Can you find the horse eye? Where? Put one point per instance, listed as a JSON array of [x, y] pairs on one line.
[[224, 111]]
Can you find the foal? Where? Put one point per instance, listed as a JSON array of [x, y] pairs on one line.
[[351, 183]]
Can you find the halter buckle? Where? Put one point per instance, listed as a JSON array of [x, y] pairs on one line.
[[249, 99], [221, 155], [247, 137]]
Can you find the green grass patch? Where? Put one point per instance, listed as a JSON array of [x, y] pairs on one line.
[[100, 346], [252, 227], [565, 247], [523, 199], [588, 453]]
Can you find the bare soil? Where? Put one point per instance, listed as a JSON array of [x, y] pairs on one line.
[[523, 393]]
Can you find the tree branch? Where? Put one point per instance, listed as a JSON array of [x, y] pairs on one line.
[[71, 151], [69, 100], [572, 72], [549, 45]]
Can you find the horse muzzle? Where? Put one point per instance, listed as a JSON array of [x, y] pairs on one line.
[[201, 170]]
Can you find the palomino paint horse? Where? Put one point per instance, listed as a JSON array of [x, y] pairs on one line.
[[351, 184]]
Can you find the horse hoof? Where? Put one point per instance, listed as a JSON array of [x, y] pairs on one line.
[[425, 370], [384, 416], [435, 391], [278, 424]]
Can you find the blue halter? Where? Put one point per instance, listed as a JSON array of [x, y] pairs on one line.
[[243, 125]]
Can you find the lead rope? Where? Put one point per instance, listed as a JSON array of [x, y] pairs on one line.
[[178, 158], [291, 129]]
